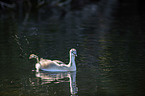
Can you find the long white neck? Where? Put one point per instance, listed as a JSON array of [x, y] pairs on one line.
[[72, 62], [37, 60]]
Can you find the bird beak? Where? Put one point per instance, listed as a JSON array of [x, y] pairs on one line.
[[30, 57]]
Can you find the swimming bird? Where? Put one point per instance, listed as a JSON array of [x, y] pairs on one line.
[[55, 65]]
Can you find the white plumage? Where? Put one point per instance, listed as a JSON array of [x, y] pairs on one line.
[[55, 65]]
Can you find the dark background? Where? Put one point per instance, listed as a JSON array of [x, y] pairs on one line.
[[108, 35]]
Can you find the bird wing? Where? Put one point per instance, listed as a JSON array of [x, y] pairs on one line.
[[59, 62], [46, 60], [48, 64]]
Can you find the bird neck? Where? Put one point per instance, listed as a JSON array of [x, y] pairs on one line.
[[72, 61], [38, 61]]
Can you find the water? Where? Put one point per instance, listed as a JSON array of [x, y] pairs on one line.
[[110, 49]]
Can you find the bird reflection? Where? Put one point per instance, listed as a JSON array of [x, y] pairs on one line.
[[49, 77]]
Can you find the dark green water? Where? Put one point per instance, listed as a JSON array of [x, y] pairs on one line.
[[111, 51]]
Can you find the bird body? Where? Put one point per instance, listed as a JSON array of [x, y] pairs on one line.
[[55, 65]]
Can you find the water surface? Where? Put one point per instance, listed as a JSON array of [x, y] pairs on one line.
[[110, 49]]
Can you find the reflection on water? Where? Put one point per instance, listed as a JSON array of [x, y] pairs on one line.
[[58, 77]]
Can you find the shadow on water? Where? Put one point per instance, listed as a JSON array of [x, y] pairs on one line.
[[110, 50]]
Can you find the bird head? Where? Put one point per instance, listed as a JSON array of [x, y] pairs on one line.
[[33, 56], [73, 52]]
